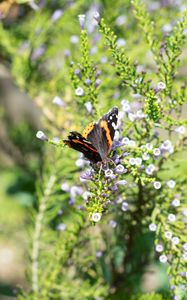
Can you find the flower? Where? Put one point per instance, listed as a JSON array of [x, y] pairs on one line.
[[175, 240], [138, 161], [58, 101], [41, 136], [184, 255], [156, 152], [86, 195], [168, 235], [56, 15], [131, 117], [157, 185], [125, 140], [121, 182], [171, 217], [163, 258], [171, 184], [161, 85], [61, 227], [109, 173], [56, 140], [149, 146], [150, 169], [132, 144], [74, 39], [120, 20], [145, 156], [96, 217], [184, 212], [88, 106], [80, 162], [121, 42], [152, 227], [159, 248], [120, 169], [112, 223], [82, 19], [97, 82], [184, 246], [38, 52], [79, 91], [65, 187], [132, 161], [180, 129], [124, 206], [175, 202]]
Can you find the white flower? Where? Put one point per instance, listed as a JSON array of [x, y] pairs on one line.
[[124, 206], [58, 101], [121, 42], [132, 161], [159, 248], [184, 256], [138, 161], [56, 140], [157, 185], [184, 212], [65, 187], [96, 217], [88, 106], [120, 20], [79, 91], [175, 202], [108, 173], [175, 240], [140, 114], [120, 169], [61, 227], [112, 223], [125, 140], [74, 39], [41, 136], [152, 227], [131, 117], [82, 20], [163, 258], [184, 246], [150, 169], [180, 129], [80, 162], [121, 182], [167, 28], [167, 146], [171, 184], [161, 85], [86, 195], [126, 107], [149, 146], [168, 235], [171, 217], [156, 152], [132, 144], [145, 156]]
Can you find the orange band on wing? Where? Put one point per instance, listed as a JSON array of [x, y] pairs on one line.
[[87, 130], [86, 145], [103, 124]]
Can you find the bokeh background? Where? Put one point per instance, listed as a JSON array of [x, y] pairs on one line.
[[38, 40]]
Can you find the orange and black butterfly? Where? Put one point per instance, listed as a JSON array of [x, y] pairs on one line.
[[96, 140]]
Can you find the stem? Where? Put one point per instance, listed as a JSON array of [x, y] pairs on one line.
[[37, 234]]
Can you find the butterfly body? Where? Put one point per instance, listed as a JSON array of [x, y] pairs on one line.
[[97, 138]]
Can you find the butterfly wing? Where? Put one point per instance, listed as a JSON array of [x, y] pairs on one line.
[[78, 142], [101, 134]]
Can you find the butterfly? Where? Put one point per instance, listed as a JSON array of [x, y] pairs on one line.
[[97, 138]]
